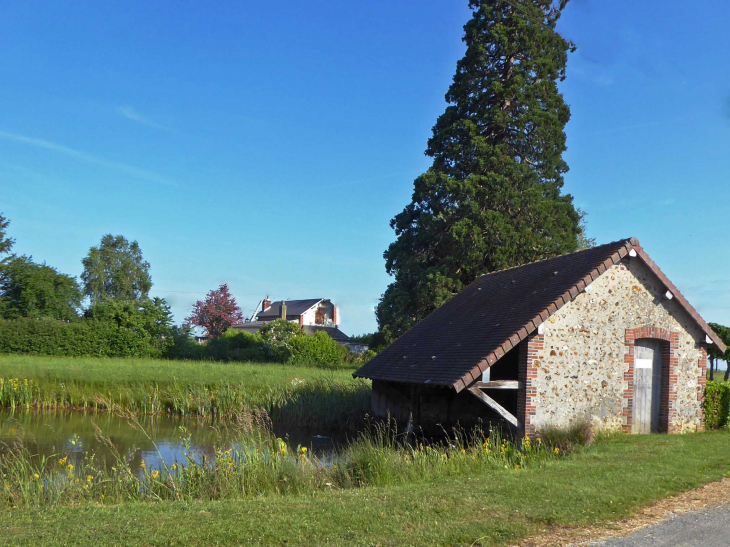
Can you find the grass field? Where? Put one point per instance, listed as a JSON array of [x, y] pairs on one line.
[[604, 482], [290, 394]]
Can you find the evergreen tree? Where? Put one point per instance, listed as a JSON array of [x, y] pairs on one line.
[[6, 243], [492, 197]]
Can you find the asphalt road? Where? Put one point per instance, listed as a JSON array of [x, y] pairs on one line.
[[705, 528]]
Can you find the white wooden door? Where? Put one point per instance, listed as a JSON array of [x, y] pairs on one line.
[[647, 386]]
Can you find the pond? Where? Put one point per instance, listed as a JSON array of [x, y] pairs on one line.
[[73, 433]]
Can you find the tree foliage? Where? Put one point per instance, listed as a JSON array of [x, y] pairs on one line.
[[279, 332], [217, 313], [150, 316], [492, 197], [6, 243], [115, 269], [714, 354], [35, 290]]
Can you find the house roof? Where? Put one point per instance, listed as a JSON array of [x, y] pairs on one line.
[[249, 325], [333, 332], [294, 308], [458, 341]]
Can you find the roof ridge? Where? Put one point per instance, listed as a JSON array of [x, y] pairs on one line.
[[619, 243]]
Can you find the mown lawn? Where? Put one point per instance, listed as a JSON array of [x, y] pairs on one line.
[[605, 482]]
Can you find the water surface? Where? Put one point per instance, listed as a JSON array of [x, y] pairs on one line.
[[60, 433]]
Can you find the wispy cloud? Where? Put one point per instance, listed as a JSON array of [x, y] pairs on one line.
[[131, 113], [83, 156], [360, 181]]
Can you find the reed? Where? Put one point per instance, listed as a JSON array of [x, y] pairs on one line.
[[257, 463], [290, 395]]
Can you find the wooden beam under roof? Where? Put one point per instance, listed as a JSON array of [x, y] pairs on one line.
[[498, 384], [494, 405]]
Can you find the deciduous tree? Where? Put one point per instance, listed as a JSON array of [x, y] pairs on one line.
[[116, 269], [714, 354], [35, 290], [217, 313], [492, 198]]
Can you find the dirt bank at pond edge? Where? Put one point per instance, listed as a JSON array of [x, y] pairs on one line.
[[709, 496]]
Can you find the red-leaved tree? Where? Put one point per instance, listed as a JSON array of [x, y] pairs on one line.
[[216, 313]]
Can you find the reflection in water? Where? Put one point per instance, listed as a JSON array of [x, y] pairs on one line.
[[72, 433]]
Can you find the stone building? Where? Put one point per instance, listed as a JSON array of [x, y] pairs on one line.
[[599, 335]]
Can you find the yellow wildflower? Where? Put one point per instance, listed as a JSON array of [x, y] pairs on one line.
[[62, 461], [89, 478], [556, 450], [174, 466], [70, 467], [142, 465], [36, 476], [155, 474]]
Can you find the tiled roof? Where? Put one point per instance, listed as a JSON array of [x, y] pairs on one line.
[[294, 308], [470, 332]]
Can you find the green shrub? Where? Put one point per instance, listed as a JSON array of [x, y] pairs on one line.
[[319, 350], [567, 438], [234, 345], [717, 404]]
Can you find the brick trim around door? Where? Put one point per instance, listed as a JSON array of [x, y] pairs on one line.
[[670, 363]]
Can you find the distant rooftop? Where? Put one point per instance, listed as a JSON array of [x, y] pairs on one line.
[[294, 308]]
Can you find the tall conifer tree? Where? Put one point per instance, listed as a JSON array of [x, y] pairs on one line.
[[492, 197]]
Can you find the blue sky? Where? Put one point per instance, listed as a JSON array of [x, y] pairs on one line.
[[268, 145]]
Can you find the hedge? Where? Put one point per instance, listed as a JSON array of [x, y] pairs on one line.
[[86, 338], [94, 338], [717, 404]]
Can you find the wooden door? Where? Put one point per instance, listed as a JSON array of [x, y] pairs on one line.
[[647, 386]]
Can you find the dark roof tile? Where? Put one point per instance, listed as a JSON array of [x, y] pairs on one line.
[[477, 326]]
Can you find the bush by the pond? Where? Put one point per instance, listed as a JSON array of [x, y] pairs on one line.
[[256, 463], [319, 349], [717, 404]]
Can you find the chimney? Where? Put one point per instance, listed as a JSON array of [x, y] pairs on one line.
[[336, 316], [265, 303], [283, 310]]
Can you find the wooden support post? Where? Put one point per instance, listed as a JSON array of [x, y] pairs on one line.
[[411, 411], [494, 405]]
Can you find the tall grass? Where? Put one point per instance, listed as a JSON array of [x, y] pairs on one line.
[[320, 402], [257, 463], [289, 395]]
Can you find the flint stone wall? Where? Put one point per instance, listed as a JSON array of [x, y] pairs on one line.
[[581, 366]]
